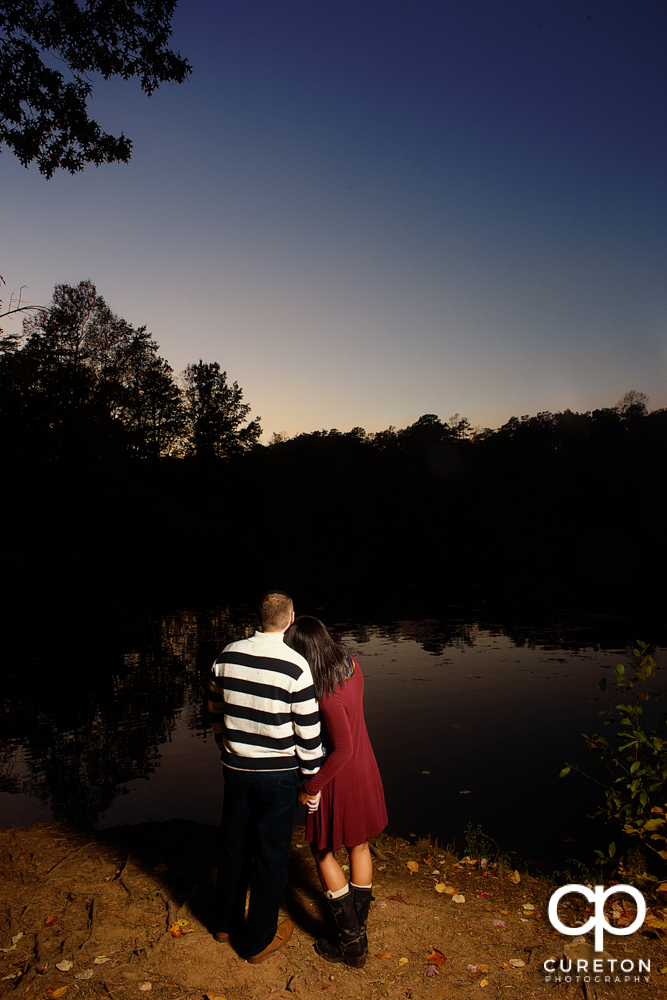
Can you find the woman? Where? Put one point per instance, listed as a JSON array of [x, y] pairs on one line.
[[345, 798]]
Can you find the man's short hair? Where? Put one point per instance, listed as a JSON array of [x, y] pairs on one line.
[[275, 610]]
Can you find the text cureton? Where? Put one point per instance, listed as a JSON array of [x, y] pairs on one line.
[[583, 965]]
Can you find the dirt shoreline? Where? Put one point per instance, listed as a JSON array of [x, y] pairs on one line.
[[106, 900]]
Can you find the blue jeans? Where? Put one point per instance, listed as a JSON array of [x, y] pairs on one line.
[[255, 837]]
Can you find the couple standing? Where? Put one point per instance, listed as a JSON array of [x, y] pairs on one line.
[[263, 706]]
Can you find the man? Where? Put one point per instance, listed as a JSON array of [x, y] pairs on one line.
[[266, 722]]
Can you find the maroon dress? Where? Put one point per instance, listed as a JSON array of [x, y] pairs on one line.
[[352, 808]]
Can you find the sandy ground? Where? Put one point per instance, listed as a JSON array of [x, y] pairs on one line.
[[105, 902]]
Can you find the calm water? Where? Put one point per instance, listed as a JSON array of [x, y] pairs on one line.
[[471, 723]]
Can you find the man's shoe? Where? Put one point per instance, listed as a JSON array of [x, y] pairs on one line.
[[283, 934], [222, 936]]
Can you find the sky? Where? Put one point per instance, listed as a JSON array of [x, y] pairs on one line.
[[368, 210]]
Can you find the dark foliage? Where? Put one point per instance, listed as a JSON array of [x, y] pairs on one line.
[[123, 480], [216, 414], [43, 113], [85, 387]]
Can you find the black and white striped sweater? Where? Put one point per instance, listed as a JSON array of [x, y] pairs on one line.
[[262, 707]]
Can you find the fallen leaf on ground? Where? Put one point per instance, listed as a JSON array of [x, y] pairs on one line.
[[517, 963], [484, 982], [65, 965], [483, 969], [504, 912], [145, 987], [88, 974], [61, 991], [498, 923], [51, 920], [528, 906], [17, 937], [436, 957], [458, 898], [383, 954], [402, 961], [101, 959], [215, 996], [440, 887]]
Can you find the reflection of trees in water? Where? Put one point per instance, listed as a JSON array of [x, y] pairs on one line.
[[87, 701], [565, 631], [92, 710], [433, 635]]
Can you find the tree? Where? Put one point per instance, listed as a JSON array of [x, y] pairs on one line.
[[43, 114], [84, 382], [216, 413], [633, 404], [152, 404]]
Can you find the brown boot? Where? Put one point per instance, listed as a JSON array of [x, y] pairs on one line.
[[283, 934]]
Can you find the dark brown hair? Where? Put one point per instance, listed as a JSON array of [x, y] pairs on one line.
[[330, 663]]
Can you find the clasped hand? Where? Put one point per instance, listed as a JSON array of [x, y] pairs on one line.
[[311, 801]]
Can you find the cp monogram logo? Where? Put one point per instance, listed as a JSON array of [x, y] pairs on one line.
[[597, 921]]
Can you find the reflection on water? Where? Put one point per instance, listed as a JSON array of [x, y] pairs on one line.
[[471, 722]]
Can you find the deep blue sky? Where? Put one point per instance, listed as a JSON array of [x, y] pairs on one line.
[[368, 211]]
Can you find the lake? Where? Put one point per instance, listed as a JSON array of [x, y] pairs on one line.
[[471, 720]]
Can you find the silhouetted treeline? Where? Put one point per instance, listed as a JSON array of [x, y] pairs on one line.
[[82, 385], [543, 504], [121, 479]]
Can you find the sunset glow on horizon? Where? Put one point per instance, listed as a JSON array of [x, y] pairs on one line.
[[368, 212]]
